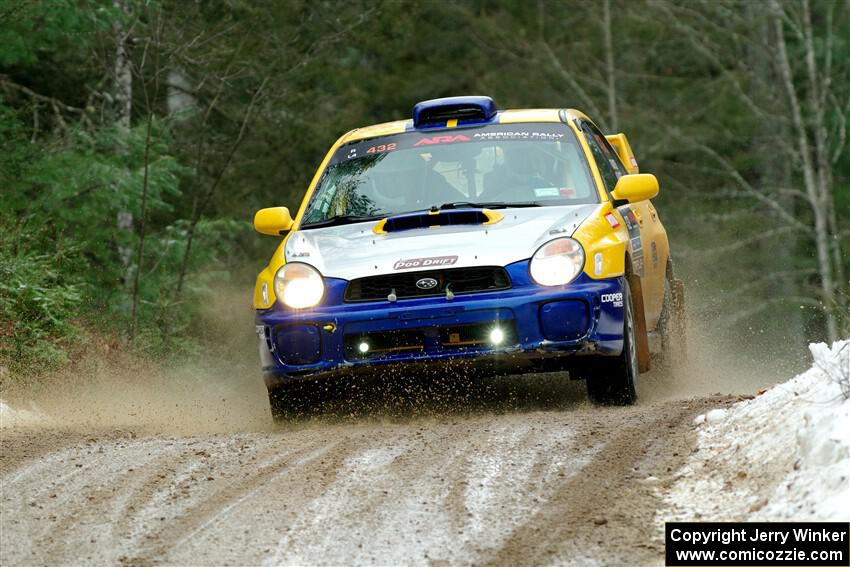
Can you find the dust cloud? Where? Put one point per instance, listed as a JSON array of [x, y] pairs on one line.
[[220, 389], [216, 389], [724, 358]]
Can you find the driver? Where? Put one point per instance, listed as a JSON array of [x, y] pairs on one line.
[[519, 174], [405, 181]]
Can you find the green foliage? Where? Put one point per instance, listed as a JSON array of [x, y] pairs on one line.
[[63, 256], [31, 28], [38, 304], [270, 85], [168, 324]]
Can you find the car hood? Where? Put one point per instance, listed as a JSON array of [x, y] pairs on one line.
[[355, 251]]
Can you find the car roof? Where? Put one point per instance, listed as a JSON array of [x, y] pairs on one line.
[[512, 116]]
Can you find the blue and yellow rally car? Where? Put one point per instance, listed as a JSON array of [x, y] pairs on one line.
[[515, 241]]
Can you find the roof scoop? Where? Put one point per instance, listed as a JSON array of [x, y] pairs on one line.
[[431, 219], [467, 109]]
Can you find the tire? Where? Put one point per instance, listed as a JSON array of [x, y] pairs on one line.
[[614, 382], [293, 401]]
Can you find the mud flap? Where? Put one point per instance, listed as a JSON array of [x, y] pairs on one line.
[[641, 338]]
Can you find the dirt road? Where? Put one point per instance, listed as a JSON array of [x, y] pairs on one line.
[[506, 480]]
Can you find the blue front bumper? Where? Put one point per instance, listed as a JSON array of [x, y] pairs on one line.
[[540, 324]]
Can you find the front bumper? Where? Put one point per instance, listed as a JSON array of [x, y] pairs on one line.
[[543, 328]]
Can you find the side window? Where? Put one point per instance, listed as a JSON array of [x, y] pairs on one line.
[[610, 153], [607, 161]]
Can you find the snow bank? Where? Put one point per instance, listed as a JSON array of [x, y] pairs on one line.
[[784, 455], [11, 417]]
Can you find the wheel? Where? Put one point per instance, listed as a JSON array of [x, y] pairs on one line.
[[614, 381], [293, 401], [284, 402], [672, 326]]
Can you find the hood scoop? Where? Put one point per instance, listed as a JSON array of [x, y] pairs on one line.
[[431, 219]]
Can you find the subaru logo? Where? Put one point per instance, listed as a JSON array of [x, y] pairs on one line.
[[426, 283]]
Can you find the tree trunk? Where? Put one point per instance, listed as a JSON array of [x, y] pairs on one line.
[[122, 77], [818, 87], [774, 172], [609, 66], [140, 250], [819, 205], [179, 98], [122, 72]]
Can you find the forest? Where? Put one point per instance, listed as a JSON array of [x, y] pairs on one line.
[[139, 137]]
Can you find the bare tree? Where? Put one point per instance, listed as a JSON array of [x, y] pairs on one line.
[[122, 67], [811, 114], [142, 229], [813, 153], [610, 69], [122, 80]]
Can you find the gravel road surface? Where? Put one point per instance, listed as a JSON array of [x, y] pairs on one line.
[[510, 481]]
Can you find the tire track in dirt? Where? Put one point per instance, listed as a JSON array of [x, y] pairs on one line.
[[529, 487], [605, 515], [197, 526]]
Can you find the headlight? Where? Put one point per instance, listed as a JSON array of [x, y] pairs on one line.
[[557, 262], [299, 285]]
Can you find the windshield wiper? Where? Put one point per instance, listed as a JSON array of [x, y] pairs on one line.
[[488, 205], [340, 220]]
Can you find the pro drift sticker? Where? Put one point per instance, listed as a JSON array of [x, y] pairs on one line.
[[434, 261]]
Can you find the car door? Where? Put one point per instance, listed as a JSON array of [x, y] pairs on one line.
[[648, 239]]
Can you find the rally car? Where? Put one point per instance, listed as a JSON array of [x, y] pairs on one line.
[[515, 241]]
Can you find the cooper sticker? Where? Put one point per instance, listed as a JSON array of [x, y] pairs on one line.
[[434, 261], [616, 299]]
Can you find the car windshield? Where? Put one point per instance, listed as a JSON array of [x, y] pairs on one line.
[[534, 164]]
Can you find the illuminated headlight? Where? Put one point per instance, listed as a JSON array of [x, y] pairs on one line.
[[298, 285], [557, 262]]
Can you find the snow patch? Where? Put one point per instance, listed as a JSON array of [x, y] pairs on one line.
[[11, 417], [715, 415], [784, 455]]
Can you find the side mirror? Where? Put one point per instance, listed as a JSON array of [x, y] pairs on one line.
[[635, 187], [275, 221]]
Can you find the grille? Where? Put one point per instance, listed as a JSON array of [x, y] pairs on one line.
[[461, 280], [383, 342]]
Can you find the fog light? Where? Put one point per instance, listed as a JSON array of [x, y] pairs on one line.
[[497, 336], [363, 347]]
